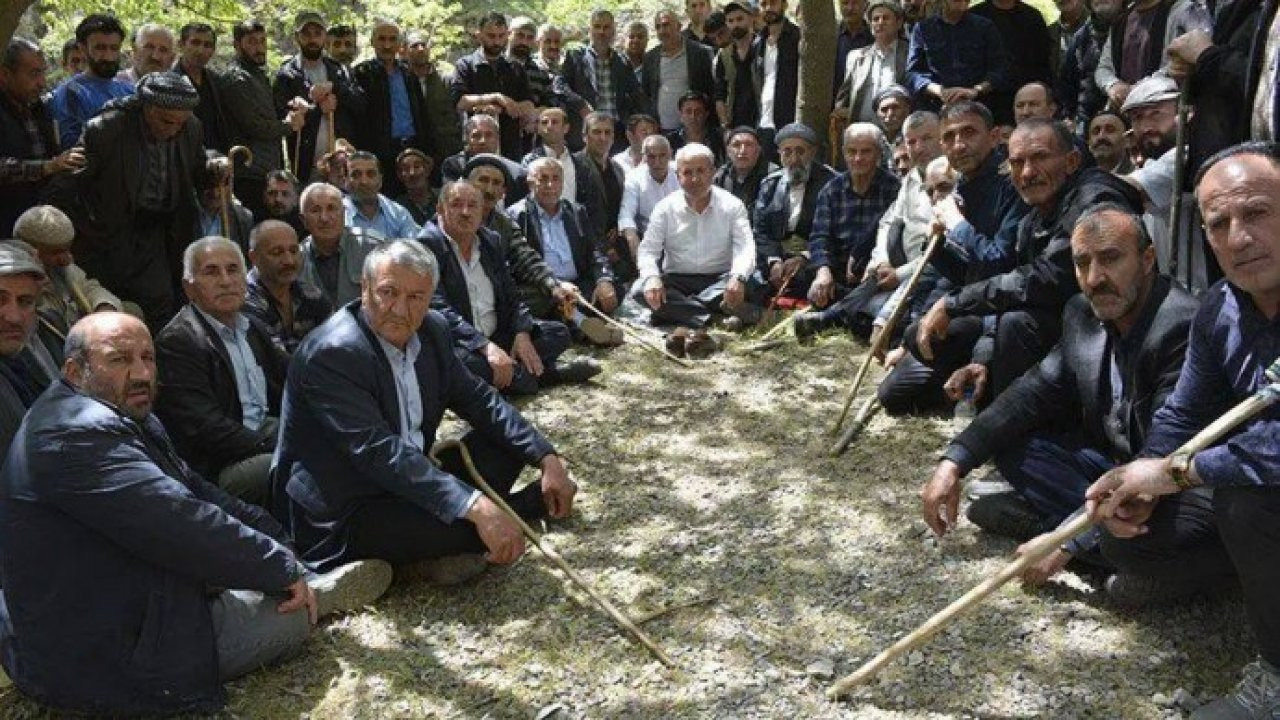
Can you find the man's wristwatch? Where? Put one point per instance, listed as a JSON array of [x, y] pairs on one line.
[[1180, 470]]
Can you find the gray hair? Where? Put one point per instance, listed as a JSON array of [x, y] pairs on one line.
[[203, 245], [477, 119], [314, 189], [863, 130], [655, 139], [1091, 222], [692, 151], [403, 253], [545, 162], [266, 226], [150, 28], [918, 119], [523, 22], [547, 28], [14, 50]]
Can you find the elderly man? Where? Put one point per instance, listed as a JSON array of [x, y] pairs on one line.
[[482, 138], [550, 40], [697, 257], [333, 252], [495, 336], [82, 96], [366, 207], [285, 306], [870, 70], [221, 375], [367, 392], [29, 154], [414, 169], [644, 188], [486, 78], [559, 231], [553, 124], [94, 496], [783, 213], [672, 68], [1086, 407], [746, 168], [153, 51], [24, 360], [1234, 339], [69, 294], [135, 206]]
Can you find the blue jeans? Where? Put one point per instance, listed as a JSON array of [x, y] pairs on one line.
[[1052, 471]]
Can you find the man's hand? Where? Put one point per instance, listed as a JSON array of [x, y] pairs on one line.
[[850, 274], [734, 293], [1184, 52], [605, 297], [823, 287], [947, 212], [320, 91], [65, 161], [501, 364], [564, 292], [894, 357], [886, 277], [956, 94], [933, 326], [1124, 497], [524, 351], [1117, 93], [941, 496], [973, 374], [299, 596], [558, 489], [633, 242], [497, 531], [655, 294], [1039, 573], [328, 104]]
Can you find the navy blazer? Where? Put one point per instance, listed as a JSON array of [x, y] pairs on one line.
[[451, 293], [578, 74], [111, 544], [340, 444], [590, 262]]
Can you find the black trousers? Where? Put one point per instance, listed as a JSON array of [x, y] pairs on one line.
[[1248, 520], [549, 338]]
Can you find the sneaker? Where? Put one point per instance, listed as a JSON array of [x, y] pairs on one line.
[[1257, 697], [1007, 514], [351, 586], [701, 345], [577, 370], [599, 332], [448, 570], [1129, 590], [807, 324], [990, 484], [677, 340]]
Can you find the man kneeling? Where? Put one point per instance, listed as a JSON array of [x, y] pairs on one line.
[[115, 553], [365, 394]]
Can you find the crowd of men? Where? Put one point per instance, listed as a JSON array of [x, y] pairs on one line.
[[236, 304]]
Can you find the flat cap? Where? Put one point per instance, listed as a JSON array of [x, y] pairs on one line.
[[45, 226], [490, 160], [796, 130], [308, 17], [891, 4], [1149, 91], [16, 259], [892, 91], [168, 90]]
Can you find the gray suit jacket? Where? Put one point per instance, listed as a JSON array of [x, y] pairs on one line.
[[857, 78], [356, 243]]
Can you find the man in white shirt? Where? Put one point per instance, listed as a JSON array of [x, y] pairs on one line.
[[639, 127], [644, 187], [697, 254]]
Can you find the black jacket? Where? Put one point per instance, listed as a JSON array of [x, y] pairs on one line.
[[587, 259], [213, 119], [772, 210], [578, 74], [451, 293], [111, 544], [748, 188], [375, 126], [198, 400], [291, 81], [1219, 86], [787, 87], [22, 181], [587, 194], [1071, 385], [698, 58]]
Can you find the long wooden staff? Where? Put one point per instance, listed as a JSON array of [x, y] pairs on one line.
[[887, 332], [1179, 178], [1039, 549], [551, 554], [786, 283], [631, 332]]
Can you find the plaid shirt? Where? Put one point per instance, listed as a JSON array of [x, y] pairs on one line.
[[844, 222], [605, 101], [28, 167], [310, 309]]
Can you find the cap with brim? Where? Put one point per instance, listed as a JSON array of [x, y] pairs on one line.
[[796, 130], [490, 160], [308, 17], [16, 260], [1149, 91], [45, 226], [891, 4], [167, 90], [892, 91]]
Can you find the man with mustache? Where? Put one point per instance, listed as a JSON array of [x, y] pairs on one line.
[[735, 83], [22, 374], [152, 52], [483, 135], [1122, 347], [69, 294], [746, 167], [341, 44], [280, 201], [133, 586], [82, 96], [366, 206], [221, 375], [1109, 142], [285, 306], [486, 78], [333, 252], [324, 87], [251, 115]]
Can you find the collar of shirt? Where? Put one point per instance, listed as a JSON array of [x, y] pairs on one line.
[[396, 357], [543, 215], [230, 333], [457, 250]]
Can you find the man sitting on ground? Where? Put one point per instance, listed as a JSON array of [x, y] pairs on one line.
[[496, 338], [697, 257], [69, 294], [558, 230], [333, 253], [221, 375], [746, 167], [285, 306], [553, 126], [24, 374], [414, 169], [94, 495], [645, 186]]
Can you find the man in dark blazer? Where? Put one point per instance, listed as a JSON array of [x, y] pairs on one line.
[[782, 37], [1085, 408], [116, 552], [781, 244], [664, 94], [366, 392], [553, 123], [497, 338], [578, 73], [337, 93], [221, 374]]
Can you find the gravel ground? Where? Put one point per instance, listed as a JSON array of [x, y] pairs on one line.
[[714, 483]]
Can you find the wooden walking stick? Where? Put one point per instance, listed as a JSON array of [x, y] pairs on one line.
[[333, 137], [551, 554], [1179, 178], [631, 332], [786, 283], [859, 421], [1263, 398], [887, 332]]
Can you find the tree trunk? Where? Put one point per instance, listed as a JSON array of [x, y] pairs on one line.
[[818, 30], [10, 14]]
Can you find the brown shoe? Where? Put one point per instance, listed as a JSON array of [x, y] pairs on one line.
[[677, 341], [701, 345]]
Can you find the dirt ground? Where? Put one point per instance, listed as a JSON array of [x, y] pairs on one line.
[[714, 483]]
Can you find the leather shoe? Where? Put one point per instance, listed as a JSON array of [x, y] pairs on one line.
[[599, 332], [577, 370], [677, 340], [807, 324], [701, 345]]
